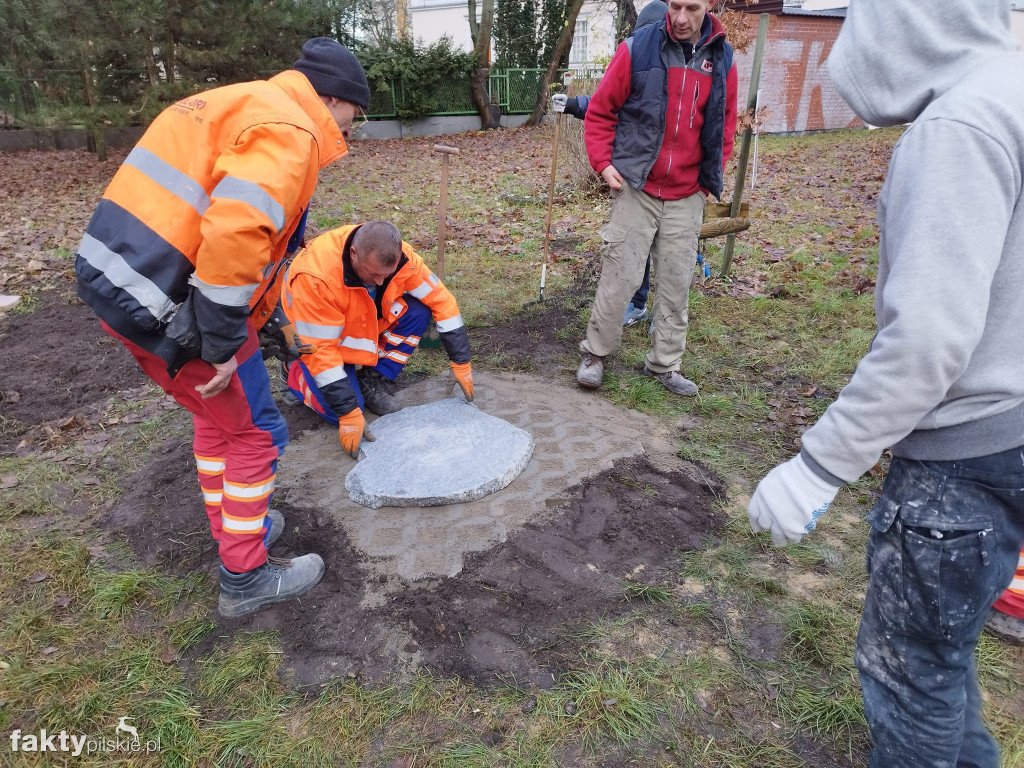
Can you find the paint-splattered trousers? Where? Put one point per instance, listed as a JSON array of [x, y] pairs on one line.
[[638, 222], [945, 540]]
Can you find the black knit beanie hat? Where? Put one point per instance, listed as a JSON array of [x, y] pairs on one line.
[[333, 70]]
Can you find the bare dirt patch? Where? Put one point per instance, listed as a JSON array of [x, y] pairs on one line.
[[535, 340], [58, 359]]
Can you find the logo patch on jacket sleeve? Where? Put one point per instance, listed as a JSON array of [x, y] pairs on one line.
[[705, 65]]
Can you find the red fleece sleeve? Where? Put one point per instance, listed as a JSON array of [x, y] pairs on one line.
[[729, 134], [603, 111]]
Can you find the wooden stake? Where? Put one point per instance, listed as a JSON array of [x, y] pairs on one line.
[[741, 168], [442, 214], [547, 220]]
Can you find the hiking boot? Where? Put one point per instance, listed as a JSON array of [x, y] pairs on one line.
[[276, 526], [1006, 627], [378, 393], [591, 371], [674, 382], [634, 315], [276, 580]]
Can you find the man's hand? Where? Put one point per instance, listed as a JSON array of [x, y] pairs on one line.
[[612, 177], [283, 343], [221, 378], [352, 431], [789, 501], [463, 374], [558, 102]]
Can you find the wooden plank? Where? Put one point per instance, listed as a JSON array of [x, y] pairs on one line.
[[724, 226], [722, 210]]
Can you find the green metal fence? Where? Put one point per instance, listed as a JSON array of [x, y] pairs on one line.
[[513, 90], [54, 99]]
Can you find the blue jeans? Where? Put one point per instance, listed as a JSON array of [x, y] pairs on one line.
[[639, 299], [944, 544]]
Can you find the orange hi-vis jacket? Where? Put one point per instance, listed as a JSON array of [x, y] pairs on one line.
[[208, 198], [330, 308]]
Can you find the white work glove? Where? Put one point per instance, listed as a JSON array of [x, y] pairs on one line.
[[558, 102], [789, 501]]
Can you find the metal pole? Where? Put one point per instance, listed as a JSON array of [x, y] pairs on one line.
[[741, 169]]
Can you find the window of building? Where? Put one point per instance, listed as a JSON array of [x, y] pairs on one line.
[[578, 53]]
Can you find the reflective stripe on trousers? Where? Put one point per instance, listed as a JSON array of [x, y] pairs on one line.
[[238, 437]]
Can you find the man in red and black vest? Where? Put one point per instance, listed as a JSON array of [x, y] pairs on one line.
[[659, 130]]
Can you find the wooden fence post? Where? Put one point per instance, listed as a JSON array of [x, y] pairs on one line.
[[741, 168]]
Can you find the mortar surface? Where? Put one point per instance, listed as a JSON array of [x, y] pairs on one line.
[[576, 436]]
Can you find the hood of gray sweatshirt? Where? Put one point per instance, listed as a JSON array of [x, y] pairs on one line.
[[944, 377]]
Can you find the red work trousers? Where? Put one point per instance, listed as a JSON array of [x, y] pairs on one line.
[[239, 434]]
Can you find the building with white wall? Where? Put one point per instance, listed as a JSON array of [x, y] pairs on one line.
[[593, 40]]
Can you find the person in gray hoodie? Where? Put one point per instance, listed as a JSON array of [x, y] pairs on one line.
[[943, 381]]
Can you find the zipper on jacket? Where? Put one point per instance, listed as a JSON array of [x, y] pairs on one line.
[[693, 109], [675, 134]]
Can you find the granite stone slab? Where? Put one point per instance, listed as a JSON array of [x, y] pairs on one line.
[[445, 452]]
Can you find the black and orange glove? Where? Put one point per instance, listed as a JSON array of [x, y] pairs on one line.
[[352, 431], [463, 374]]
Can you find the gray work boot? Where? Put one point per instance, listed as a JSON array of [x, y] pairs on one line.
[[1006, 627], [591, 371], [276, 580], [378, 393], [674, 382], [276, 526]]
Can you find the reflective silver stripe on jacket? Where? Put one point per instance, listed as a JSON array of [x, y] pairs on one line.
[[364, 345], [252, 194], [228, 295], [315, 331], [421, 290], [176, 182], [120, 273], [331, 375], [450, 324]]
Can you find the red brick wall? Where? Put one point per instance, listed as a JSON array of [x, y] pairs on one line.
[[795, 84]]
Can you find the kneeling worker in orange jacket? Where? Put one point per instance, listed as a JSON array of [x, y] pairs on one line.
[[180, 262], [361, 296]]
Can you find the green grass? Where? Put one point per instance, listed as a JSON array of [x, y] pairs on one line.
[[680, 677]]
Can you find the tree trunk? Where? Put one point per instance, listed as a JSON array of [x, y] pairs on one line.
[[490, 114], [154, 77], [626, 13], [564, 42], [96, 124]]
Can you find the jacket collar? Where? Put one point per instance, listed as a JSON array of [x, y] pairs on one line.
[[332, 143]]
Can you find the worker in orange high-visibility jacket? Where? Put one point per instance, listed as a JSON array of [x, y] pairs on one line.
[[360, 296], [180, 262]]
